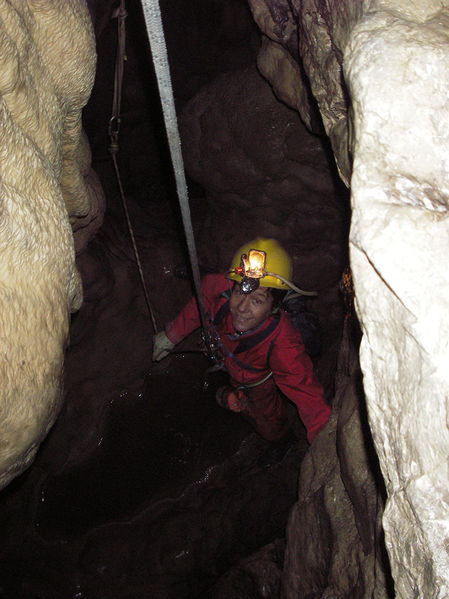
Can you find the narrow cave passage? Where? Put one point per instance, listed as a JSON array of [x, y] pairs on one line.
[[145, 487]]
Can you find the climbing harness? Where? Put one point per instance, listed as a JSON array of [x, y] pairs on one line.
[[113, 131], [153, 21]]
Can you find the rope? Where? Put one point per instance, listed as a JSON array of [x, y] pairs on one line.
[[113, 130], [153, 21]]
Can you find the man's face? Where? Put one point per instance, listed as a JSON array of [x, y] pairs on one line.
[[249, 310]]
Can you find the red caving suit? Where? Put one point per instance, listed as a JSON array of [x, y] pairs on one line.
[[275, 345]]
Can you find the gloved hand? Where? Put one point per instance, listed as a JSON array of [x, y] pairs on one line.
[[161, 346], [231, 399]]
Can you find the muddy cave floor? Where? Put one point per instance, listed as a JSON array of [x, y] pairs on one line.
[[144, 487]]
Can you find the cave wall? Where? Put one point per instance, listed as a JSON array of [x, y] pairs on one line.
[[396, 68], [334, 536], [377, 80], [378, 72], [46, 186], [301, 56]]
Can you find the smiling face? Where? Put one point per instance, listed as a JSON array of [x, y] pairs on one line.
[[249, 310]]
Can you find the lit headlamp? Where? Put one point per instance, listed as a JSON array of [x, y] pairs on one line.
[[254, 264], [252, 269]]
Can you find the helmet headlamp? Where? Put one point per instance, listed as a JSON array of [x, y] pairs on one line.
[[251, 269], [248, 285], [253, 264]]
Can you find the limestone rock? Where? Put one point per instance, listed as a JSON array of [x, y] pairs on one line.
[[324, 29], [256, 576], [388, 113], [397, 70], [284, 73], [42, 183]]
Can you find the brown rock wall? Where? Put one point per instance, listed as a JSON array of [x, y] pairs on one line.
[[334, 542]]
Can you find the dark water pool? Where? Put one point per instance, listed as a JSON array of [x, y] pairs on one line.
[[169, 500]]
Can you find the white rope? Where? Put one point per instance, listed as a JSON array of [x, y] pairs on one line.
[[156, 38]]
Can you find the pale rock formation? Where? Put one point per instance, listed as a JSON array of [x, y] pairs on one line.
[[46, 75], [396, 65], [395, 59], [324, 29]]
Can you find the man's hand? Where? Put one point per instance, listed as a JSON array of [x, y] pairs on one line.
[[161, 346]]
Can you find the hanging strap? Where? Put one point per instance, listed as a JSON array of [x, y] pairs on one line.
[[114, 122], [250, 342], [156, 38], [113, 130]]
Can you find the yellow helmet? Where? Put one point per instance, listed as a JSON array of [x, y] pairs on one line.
[[277, 262]]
